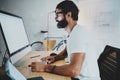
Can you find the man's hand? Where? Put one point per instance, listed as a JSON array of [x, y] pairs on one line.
[[37, 66], [48, 59]]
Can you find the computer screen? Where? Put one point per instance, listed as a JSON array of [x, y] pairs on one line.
[[14, 31]]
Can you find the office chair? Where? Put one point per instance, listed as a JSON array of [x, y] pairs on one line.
[[60, 44], [109, 63], [37, 46], [47, 45]]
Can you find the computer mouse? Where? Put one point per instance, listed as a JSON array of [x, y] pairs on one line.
[[53, 54]]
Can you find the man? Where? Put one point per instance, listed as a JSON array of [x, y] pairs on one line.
[[83, 64]]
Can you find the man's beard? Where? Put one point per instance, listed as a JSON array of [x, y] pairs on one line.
[[62, 24]]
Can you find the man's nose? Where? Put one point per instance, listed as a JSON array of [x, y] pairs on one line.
[[56, 19]]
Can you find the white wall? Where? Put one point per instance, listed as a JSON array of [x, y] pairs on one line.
[[102, 18], [34, 14]]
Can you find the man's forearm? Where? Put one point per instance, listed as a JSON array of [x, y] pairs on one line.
[[71, 70], [65, 70], [61, 55]]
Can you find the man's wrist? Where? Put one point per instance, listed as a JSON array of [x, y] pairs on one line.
[[53, 69], [49, 68]]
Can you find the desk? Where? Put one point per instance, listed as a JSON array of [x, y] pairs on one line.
[[26, 71]]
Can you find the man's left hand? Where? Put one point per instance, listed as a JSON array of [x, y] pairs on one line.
[[37, 66]]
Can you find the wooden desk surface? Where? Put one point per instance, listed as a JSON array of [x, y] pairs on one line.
[[26, 71]]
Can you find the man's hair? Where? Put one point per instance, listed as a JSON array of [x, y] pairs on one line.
[[69, 6]]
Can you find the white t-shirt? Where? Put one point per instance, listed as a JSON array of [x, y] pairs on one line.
[[81, 40]]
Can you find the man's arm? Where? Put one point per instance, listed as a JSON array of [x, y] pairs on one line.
[[72, 69], [62, 55], [59, 56]]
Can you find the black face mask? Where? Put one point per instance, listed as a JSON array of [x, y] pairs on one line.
[[62, 24]]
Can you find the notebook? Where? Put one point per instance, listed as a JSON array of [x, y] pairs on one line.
[[14, 74]]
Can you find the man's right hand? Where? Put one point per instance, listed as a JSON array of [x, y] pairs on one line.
[[48, 59]]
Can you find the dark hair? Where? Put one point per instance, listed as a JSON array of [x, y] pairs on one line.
[[69, 6]]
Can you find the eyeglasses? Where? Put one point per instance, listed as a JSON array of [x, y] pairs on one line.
[[58, 13]]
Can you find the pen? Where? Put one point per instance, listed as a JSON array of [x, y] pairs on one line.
[[35, 56]]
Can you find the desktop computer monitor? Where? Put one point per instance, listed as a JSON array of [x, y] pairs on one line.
[[15, 36]]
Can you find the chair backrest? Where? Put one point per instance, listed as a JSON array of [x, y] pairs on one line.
[[109, 63], [37, 46], [60, 45]]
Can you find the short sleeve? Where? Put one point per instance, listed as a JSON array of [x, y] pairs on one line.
[[77, 42]]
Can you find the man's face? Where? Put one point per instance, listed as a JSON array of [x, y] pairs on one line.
[[60, 18], [59, 15]]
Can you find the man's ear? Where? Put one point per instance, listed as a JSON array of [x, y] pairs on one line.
[[69, 14]]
